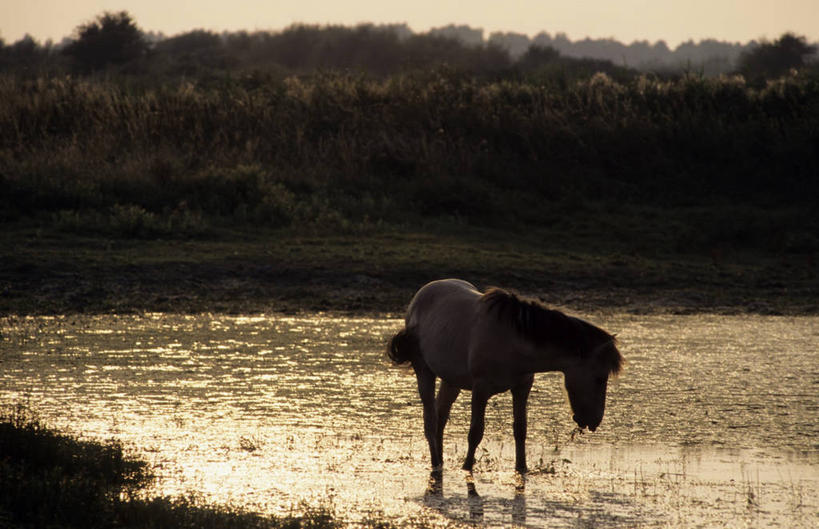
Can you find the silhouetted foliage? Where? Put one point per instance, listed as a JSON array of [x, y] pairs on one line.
[[709, 56], [545, 65], [192, 52], [299, 49], [537, 56], [463, 34], [770, 60], [113, 39], [333, 149], [26, 56]]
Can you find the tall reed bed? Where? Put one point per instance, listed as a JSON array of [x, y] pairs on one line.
[[145, 158]]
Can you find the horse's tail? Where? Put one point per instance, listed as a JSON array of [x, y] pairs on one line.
[[403, 346]]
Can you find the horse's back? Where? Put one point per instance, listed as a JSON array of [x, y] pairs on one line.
[[441, 315]]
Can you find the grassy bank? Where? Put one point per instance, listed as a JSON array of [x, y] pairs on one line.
[[47, 272], [48, 479]]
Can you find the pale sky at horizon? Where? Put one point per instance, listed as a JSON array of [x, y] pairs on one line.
[[674, 21]]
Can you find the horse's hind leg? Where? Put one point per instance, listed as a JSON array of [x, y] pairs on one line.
[[426, 390], [446, 396], [480, 396], [520, 394]]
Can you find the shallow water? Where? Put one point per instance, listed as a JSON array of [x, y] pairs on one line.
[[715, 421]]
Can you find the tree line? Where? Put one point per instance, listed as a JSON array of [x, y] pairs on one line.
[[113, 42]]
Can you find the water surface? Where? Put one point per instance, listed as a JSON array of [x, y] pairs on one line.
[[715, 420]]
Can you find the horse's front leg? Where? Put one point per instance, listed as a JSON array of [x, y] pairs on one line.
[[426, 390], [520, 395], [480, 396]]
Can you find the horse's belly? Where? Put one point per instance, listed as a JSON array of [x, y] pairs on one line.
[[445, 348]]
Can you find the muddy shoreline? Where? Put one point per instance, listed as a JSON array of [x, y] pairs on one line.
[[58, 274]]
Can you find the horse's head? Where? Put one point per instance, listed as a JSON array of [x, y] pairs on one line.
[[586, 381]]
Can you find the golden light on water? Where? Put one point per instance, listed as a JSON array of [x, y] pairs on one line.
[[268, 412]]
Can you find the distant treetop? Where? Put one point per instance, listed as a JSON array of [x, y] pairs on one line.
[[112, 39]]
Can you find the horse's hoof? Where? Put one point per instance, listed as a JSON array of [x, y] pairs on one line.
[[435, 486], [520, 483]]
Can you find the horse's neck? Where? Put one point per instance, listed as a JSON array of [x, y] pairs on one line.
[[545, 357]]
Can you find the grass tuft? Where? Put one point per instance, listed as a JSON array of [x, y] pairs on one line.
[[48, 479]]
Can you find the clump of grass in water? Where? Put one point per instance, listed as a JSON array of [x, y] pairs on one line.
[[250, 443], [48, 479]]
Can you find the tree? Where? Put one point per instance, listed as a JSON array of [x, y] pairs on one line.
[[113, 39], [25, 55], [774, 59]]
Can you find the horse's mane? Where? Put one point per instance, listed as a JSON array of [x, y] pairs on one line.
[[544, 326]]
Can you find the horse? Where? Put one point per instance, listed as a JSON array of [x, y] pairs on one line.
[[494, 342]]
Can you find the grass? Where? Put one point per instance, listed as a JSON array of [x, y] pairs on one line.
[[50, 272], [48, 479]]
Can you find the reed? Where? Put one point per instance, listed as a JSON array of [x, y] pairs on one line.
[[131, 157]]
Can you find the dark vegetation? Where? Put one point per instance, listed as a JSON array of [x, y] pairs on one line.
[[358, 132], [344, 151], [48, 479], [770, 60]]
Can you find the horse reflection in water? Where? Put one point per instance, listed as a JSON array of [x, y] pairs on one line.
[[494, 342]]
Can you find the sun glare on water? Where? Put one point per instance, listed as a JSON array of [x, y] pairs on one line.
[[715, 418]]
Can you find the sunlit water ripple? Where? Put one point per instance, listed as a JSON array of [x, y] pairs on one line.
[[715, 419]]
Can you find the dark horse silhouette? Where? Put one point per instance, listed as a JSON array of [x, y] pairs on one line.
[[494, 342]]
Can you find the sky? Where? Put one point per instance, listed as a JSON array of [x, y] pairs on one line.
[[673, 21]]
